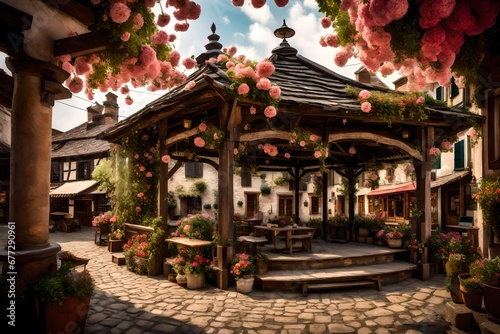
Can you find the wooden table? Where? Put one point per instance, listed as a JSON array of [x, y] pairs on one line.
[[192, 243], [287, 232]]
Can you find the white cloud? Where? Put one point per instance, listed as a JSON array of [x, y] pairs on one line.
[[262, 15], [312, 4], [226, 20]]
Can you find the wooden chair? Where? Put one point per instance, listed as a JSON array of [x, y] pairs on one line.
[[102, 233], [305, 238]]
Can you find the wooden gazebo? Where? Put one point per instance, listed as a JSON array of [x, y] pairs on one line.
[[314, 99]]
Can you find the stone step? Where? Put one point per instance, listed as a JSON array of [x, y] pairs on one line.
[[375, 283], [390, 272], [118, 258]]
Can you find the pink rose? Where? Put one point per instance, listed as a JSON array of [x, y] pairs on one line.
[[253, 111], [202, 127], [317, 154], [270, 111], [352, 150], [198, 141], [275, 92], [287, 155], [364, 95], [243, 89], [366, 107], [165, 158]]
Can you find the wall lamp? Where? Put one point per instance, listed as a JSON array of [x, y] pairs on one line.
[[406, 134], [187, 123]]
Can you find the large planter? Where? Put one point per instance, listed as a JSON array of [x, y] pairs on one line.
[[363, 232], [195, 281], [472, 299], [72, 313], [395, 243], [492, 302], [245, 285], [115, 245], [141, 265]]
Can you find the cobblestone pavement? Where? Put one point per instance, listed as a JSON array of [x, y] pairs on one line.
[[125, 302]]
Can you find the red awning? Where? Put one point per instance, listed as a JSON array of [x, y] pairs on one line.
[[392, 190]]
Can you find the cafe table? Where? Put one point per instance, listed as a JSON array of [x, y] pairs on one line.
[[286, 231]]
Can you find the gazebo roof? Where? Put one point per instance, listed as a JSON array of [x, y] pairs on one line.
[[313, 98]]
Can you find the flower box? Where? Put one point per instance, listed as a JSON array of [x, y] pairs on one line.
[[115, 245]]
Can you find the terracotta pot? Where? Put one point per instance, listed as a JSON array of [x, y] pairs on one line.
[[455, 293], [395, 243], [72, 313], [472, 299], [261, 267], [492, 302], [195, 281], [245, 285]]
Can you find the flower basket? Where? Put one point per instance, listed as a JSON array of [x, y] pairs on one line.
[[395, 243]]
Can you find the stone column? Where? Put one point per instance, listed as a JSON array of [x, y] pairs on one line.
[[36, 85]]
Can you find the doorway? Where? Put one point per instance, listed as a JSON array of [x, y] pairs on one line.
[[83, 212]]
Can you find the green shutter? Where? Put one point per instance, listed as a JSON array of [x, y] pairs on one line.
[[454, 89], [459, 155], [437, 164], [439, 93]]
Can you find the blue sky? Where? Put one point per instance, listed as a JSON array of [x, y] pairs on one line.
[[250, 29]]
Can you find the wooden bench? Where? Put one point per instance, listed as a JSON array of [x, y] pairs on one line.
[[305, 238], [374, 282], [252, 243]]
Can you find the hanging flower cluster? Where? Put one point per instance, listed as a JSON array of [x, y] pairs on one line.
[[422, 40], [391, 105], [250, 79], [137, 53], [209, 137], [305, 139]]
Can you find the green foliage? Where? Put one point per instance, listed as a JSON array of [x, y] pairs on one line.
[[103, 174], [172, 203], [281, 181], [369, 222], [488, 197], [315, 222], [201, 186], [136, 166], [261, 256], [63, 283], [347, 188], [240, 203], [405, 36], [207, 206], [339, 219], [200, 226], [156, 238], [242, 265], [487, 271]]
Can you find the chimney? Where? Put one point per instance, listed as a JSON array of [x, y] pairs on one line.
[[111, 109], [362, 75], [93, 111]]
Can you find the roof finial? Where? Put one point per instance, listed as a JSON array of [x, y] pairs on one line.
[[213, 27], [284, 32]]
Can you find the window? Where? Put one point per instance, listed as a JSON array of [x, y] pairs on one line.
[[246, 180], [493, 120], [314, 205], [285, 206], [190, 205], [252, 205], [83, 170], [194, 169], [454, 91], [55, 172], [459, 152]]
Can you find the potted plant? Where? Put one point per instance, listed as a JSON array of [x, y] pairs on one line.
[[207, 206], [261, 262], [64, 297], [115, 240], [196, 267], [488, 273], [179, 266], [199, 226], [471, 287], [239, 203], [394, 239], [136, 252], [488, 197], [242, 269]]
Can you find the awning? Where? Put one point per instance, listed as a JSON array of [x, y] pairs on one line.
[[441, 181], [392, 190], [72, 188]]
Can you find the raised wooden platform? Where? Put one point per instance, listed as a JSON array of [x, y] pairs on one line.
[[332, 266]]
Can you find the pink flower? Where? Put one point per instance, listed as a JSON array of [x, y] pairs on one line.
[[270, 111], [189, 63], [434, 151], [149, 174], [216, 136], [258, 3], [76, 85], [341, 57], [165, 158], [420, 100], [138, 21], [117, 147], [163, 20], [264, 84], [140, 195], [364, 95], [352, 150], [181, 27], [275, 92], [326, 22], [317, 154], [287, 155], [302, 143], [243, 89], [137, 209], [265, 68], [281, 3], [253, 111], [136, 156], [313, 137], [148, 55], [238, 3], [473, 134], [119, 12], [125, 36], [160, 38], [446, 145], [82, 66], [366, 107], [142, 168], [235, 151], [198, 141], [202, 127]]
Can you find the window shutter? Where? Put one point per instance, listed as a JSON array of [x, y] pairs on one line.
[[189, 168], [459, 155], [437, 164], [199, 169], [439, 93], [454, 89]]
